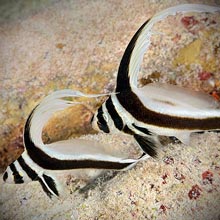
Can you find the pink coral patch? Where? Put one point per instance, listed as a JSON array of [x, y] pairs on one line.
[[195, 192], [204, 75], [207, 177], [189, 21]]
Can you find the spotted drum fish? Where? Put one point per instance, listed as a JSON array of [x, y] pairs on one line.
[[145, 113], [45, 162], [155, 109]]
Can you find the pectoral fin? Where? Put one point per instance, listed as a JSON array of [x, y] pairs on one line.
[[148, 144], [49, 185]]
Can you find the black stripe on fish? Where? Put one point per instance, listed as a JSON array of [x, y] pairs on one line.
[[50, 184], [127, 130], [45, 188], [143, 130], [92, 118], [123, 80], [51, 163], [102, 124], [130, 102], [5, 176], [114, 114], [47, 162], [17, 177], [29, 171], [146, 144]]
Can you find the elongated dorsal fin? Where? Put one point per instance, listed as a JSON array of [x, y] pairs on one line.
[[123, 78], [177, 101], [133, 56], [67, 154]]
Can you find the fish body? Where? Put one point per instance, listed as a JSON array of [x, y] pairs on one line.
[[155, 109], [46, 162]]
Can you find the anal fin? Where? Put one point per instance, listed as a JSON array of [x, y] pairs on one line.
[[147, 144]]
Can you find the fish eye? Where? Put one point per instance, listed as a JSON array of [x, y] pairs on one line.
[[102, 121]]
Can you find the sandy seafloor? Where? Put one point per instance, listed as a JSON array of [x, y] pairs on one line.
[[50, 45]]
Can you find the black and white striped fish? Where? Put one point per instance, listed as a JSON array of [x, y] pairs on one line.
[[144, 113], [46, 162], [155, 109]]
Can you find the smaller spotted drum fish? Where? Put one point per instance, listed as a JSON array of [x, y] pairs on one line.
[[45, 162], [145, 113]]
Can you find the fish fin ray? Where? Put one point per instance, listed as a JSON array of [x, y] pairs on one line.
[[49, 185], [147, 144], [80, 148], [175, 100], [143, 40], [52, 103]]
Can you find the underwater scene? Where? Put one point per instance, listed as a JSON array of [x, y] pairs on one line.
[[110, 109]]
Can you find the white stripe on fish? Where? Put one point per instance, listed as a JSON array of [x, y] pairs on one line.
[[155, 109], [144, 113], [44, 162]]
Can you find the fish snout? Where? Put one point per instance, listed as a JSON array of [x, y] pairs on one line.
[[5, 176]]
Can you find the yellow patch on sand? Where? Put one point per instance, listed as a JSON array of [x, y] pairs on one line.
[[189, 54], [193, 53]]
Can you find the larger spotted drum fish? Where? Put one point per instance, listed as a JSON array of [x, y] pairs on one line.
[[46, 162], [155, 109]]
